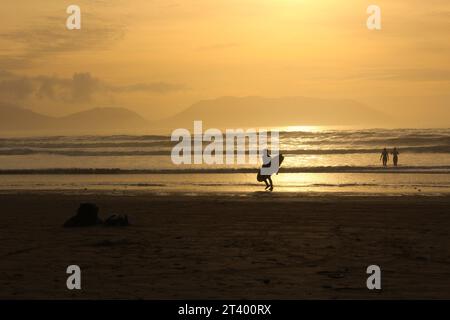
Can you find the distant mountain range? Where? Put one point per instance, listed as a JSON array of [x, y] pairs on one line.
[[274, 112], [14, 119], [223, 112]]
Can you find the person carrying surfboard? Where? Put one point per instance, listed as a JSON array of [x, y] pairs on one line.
[[270, 166]]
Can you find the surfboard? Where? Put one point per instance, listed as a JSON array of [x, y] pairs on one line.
[[269, 170]]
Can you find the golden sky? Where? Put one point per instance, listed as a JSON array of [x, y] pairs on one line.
[[157, 57]]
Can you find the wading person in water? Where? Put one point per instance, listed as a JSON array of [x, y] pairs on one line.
[[385, 157], [395, 154]]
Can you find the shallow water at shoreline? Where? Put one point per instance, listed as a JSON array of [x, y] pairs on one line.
[[240, 183]]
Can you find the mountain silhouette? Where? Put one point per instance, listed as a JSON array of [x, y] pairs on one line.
[[225, 112], [20, 120], [260, 112]]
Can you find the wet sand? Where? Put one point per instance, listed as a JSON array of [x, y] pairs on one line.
[[212, 246]]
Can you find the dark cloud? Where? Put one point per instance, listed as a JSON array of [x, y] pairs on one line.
[[82, 87], [13, 89], [52, 37]]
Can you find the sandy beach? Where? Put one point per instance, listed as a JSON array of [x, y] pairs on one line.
[[209, 246]]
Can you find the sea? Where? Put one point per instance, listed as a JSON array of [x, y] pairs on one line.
[[317, 160]]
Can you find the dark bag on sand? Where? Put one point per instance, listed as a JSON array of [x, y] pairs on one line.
[[87, 215], [117, 221]]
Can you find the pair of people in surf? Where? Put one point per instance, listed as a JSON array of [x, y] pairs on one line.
[[385, 157]]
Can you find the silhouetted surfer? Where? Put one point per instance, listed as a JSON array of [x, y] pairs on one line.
[[267, 159], [269, 170], [395, 154], [385, 157]]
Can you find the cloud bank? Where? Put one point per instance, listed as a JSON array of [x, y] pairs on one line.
[[80, 88]]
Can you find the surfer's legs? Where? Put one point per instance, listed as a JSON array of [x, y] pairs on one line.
[[268, 181]]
